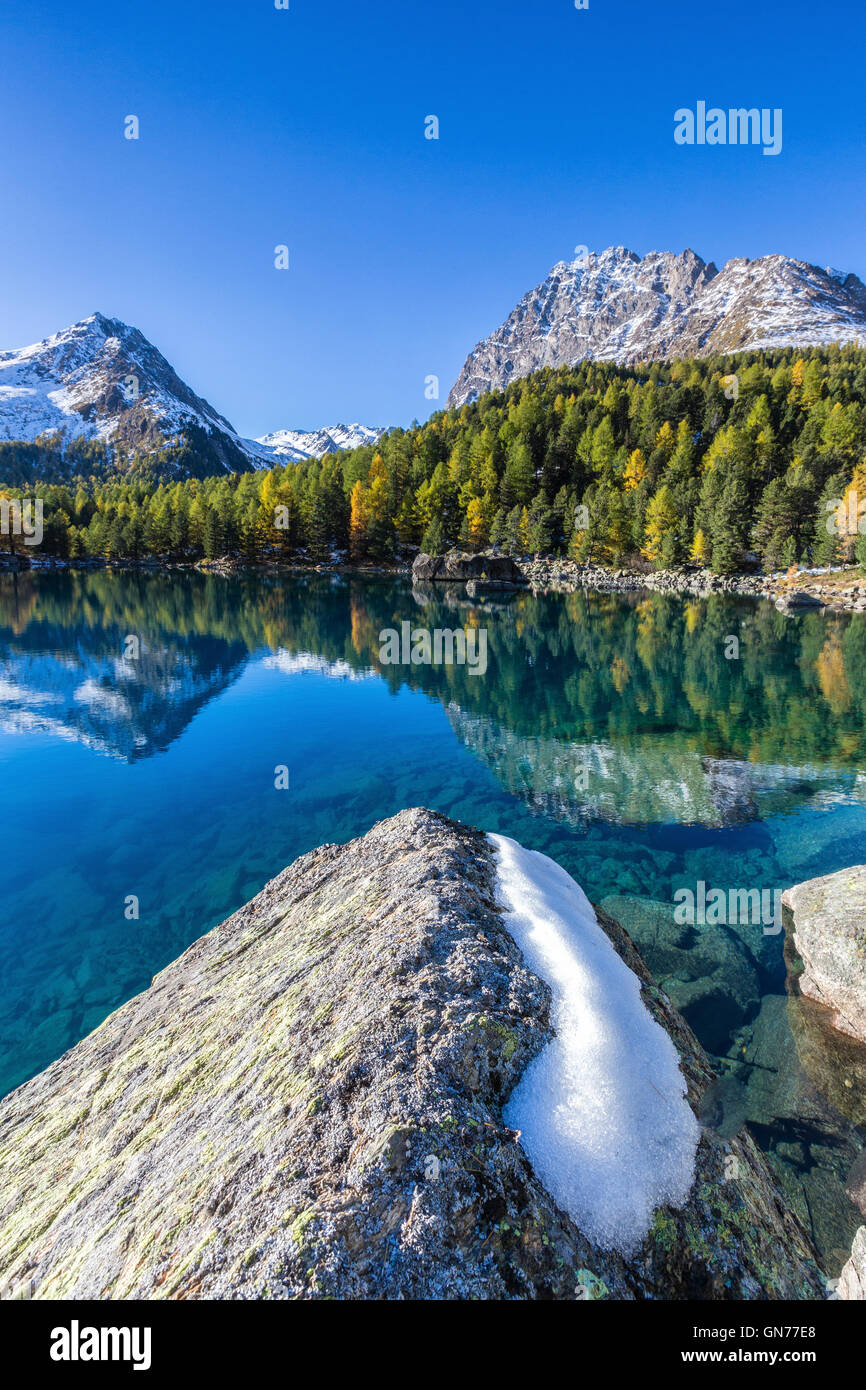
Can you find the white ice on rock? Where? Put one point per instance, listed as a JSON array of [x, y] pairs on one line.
[[602, 1110]]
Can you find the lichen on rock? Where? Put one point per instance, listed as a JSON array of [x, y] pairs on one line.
[[308, 1103], [829, 923], [852, 1281]]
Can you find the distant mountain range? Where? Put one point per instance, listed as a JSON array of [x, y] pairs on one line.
[[617, 306], [102, 379], [300, 444]]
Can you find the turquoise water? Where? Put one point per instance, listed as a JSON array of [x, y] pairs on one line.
[[610, 732]]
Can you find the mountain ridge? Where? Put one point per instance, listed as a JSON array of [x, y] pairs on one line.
[[615, 305], [101, 379]]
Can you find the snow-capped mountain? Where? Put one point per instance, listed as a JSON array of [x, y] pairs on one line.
[[102, 379], [617, 306], [73, 684], [302, 444]]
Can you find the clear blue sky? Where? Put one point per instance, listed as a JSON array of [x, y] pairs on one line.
[[306, 127]]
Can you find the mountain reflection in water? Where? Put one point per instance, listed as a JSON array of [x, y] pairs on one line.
[[608, 731]]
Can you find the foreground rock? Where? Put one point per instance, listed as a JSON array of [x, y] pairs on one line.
[[486, 566], [834, 1061], [308, 1103], [829, 918], [852, 1281]]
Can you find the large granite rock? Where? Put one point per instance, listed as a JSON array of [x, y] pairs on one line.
[[834, 1061], [829, 920], [798, 601], [459, 566], [852, 1281], [308, 1103]]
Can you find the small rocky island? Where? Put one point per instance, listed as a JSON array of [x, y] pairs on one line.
[[309, 1103]]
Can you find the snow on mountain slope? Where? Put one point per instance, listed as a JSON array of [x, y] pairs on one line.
[[102, 379], [301, 444], [615, 305]]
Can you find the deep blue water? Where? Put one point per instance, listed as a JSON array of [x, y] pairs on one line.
[[611, 733]]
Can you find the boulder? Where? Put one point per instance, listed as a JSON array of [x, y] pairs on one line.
[[852, 1281], [829, 925], [308, 1103], [460, 566], [798, 602], [426, 567]]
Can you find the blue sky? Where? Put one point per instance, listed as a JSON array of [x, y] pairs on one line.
[[261, 127]]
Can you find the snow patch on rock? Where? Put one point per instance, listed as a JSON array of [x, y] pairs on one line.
[[602, 1110]]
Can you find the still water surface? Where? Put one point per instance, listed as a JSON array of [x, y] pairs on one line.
[[610, 732]]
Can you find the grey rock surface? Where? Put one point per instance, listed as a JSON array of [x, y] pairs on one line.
[[852, 1281], [562, 575], [615, 305], [457, 566], [829, 922], [793, 603], [308, 1104]]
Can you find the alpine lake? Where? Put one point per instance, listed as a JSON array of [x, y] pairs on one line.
[[150, 787]]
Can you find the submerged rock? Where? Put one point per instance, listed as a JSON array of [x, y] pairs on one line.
[[829, 919], [833, 1060], [308, 1103], [810, 1146], [855, 1185], [708, 973]]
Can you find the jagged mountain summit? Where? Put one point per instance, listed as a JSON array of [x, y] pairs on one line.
[[102, 379], [617, 306], [301, 444]]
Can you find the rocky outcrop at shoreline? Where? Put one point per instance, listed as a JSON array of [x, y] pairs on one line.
[[309, 1103], [486, 572], [829, 918], [852, 1281], [835, 590], [485, 566], [790, 595]]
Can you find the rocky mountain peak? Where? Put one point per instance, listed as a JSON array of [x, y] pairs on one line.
[[614, 305], [102, 379]]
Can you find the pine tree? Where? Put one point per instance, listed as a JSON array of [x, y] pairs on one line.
[[660, 538], [475, 524], [359, 516], [635, 470]]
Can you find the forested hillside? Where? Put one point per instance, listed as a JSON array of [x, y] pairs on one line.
[[708, 461]]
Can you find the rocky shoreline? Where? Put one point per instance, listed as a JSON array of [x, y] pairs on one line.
[[309, 1102], [837, 591], [789, 594]]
